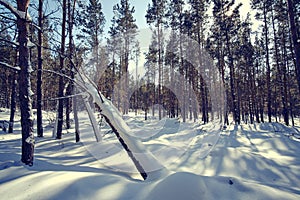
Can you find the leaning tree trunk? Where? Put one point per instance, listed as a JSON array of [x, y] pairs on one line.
[[25, 86]]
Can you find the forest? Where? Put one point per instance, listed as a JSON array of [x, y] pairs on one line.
[[205, 61]]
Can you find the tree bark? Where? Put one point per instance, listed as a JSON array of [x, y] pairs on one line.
[[25, 85], [61, 79], [12, 104], [137, 164], [68, 105], [281, 73], [71, 51], [236, 114], [39, 72], [295, 38], [159, 41], [267, 64]]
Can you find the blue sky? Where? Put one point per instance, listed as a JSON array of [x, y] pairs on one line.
[[140, 11], [141, 8]]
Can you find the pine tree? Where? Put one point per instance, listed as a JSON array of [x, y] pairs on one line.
[[126, 30], [176, 21], [172, 60], [61, 68], [114, 50], [7, 56], [23, 23], [39, 72], [8, 77], [281, 75], [247, 86], [224, 32], [260, 78], [151, 69], [295, 35], [264, 8], [13, 103], [71, 88], [198, 20], [90, 20], [155, 17], [215, 46]]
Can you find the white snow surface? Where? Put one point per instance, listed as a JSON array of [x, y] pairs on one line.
[[259, 161]]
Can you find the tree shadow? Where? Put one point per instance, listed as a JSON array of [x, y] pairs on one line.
[[253, 153], [48, 157]]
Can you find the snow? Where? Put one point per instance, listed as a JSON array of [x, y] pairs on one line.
[[16, 12], [146, 161], [9, 66], [259, 161]]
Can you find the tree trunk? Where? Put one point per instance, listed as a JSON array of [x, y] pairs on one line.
[[259, 96], [76, 121], [268, 65], [126, 91], [93, 120], [25, 86], [295, 38], [61, 79], [280, 73], [39, 72], [236, 114], [159, 36], [12, 104], [69, 88], [71, 51], [137, 164], [68, 105], [202, 83]]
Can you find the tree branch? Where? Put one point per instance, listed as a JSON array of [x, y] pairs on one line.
[[8, 18], [10, 42], [51, 13], [68, 97], [9, 66], [6, 28], [19, 14]]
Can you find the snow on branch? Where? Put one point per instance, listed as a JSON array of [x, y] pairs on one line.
[[19, 14], [9, 66], [144, 161], [67, 97]]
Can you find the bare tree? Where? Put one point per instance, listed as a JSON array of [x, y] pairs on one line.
[[23, 23]]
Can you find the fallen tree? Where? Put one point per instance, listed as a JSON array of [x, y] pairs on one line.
[[143, 160]]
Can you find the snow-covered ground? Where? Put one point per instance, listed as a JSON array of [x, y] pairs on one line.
[[259, 161]]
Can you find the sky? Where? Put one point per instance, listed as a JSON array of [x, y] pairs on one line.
[[141, 7], [140, 11]]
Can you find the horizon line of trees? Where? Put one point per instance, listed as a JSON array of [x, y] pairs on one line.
[[258, 68]]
